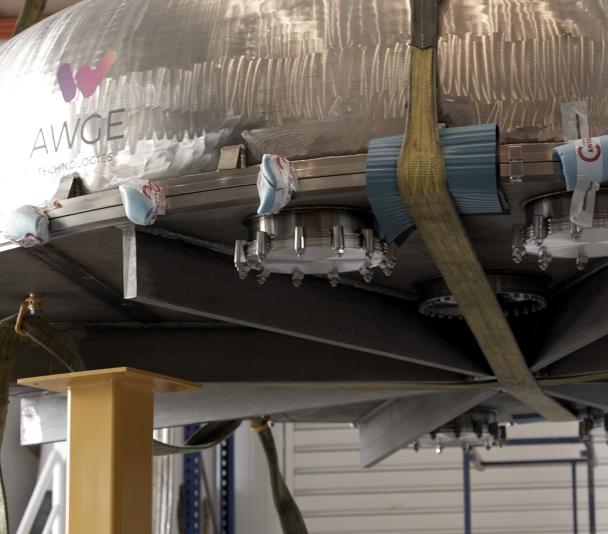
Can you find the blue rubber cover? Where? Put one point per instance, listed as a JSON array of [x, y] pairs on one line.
[[471, 168]]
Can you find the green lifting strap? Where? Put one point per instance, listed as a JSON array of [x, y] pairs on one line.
[[206, 437], [422, 184], [213, 434], [289, 514], [30, 14]]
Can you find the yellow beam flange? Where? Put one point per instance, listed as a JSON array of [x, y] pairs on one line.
[[110, 446], [423, 186]]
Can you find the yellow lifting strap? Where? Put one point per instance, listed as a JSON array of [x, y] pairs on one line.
[[422, 184], [31, 12]]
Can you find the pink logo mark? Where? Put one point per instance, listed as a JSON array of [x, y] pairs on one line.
[[87, 79], [588, 151]]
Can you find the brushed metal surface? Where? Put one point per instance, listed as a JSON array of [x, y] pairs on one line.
[[304, 78]]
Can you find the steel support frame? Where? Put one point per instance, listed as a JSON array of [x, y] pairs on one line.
[[94, 285], [588, 460], [581, 321], [226, 483], [397, 423], [191, 509], [43, 417], [591, 486], [574, 499], [466, 481], [237, 355], [209, 287]]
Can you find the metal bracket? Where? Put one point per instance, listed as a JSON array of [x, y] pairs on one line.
[[232, 157], [69, 187], [516, 163], [150, 260]]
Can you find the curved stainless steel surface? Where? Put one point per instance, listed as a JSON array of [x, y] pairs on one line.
[[556, 206], [304, 78]]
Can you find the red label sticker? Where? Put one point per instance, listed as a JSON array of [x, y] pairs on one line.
[[589, 151]]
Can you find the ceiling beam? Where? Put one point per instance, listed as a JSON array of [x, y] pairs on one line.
[[589, 359], [44, 416], [594, 395], [207, 286], [91, 283], [579, 320], [208, 354], [397, 423]]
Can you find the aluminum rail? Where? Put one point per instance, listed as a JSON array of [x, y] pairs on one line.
[[326, 178]]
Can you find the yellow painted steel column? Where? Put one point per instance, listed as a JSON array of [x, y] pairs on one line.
[[110, 423]]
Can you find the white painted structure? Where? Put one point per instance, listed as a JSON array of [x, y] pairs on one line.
[[19, 467], [408, 493], [418, 493], [52, 478]]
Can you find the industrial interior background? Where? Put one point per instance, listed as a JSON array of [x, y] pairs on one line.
[[410, 492]]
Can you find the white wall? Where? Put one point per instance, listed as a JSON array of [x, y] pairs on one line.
[[417, 492], [408, 493], [19, 467], [254, 512]]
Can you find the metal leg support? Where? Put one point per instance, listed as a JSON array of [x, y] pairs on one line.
[[227, 487], [192, 487], [466, 477], [574, 500], [591, 487]]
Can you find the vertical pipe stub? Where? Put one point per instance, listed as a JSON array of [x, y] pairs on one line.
[[369, 242], [261, 245], [337, 239], [299, 244], [538, 229], [518, 249]]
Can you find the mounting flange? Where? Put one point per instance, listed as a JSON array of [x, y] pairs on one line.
[[517, 293], [313, 241]]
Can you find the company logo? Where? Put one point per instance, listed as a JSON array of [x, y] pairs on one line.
[[90, 130], [589, 151], [87, 78]]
